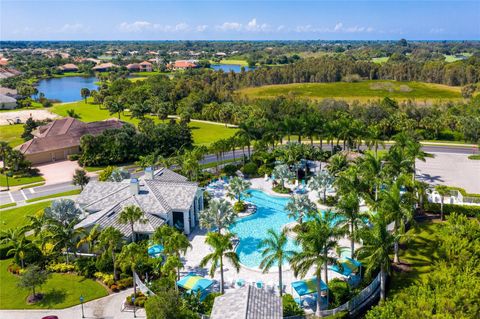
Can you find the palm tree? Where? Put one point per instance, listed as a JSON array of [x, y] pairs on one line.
[[36, 222], [219, 214], [316, 238], [337, 163], [397, 208], [80, 178], [62, 211], [237, 187], [274, 251], [348, 212], [376, 249], [130, 215], [320, 183], [5, 149], [90, 238], [300, 206], [414, 150], [443, 191], [371, 172], [282, 173], [222, 248], [62, 237], [15, 237], [375, 138], [110, 240], [85, 93], [129, 258], [174, 242]]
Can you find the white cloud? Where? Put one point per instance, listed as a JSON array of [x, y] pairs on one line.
[[251, 26], [229, 26], [338, 28], [73, 28], [136, 26], [201, 28], [254, 26], [141, 26], [437, 30]]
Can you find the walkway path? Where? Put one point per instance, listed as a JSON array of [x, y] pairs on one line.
[[107, 308]]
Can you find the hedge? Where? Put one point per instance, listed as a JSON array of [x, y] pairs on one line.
[[467, 210]]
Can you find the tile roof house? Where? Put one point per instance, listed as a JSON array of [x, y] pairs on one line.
[[163, 195], [69, 67], [7, 102], [103, 67], [60, 138], [247, 303], [144, 66], [183, 64]]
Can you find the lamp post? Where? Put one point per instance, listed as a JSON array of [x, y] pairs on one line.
[[133, 302], [81, 303]]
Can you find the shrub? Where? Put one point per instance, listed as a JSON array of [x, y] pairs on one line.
[[114, 288], [207, 303], [475, 157], [14, 269], [60, 267], [104, 263], [471, 211], [264, 169], [281, 190], [339, 292], [125, 283], [4, 252], [107, 279], [73, 157], [230, 170], [250, 169], [239, 206], [85, 266], [290, 307], [138, 299]]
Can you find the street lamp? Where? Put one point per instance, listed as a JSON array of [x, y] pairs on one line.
[[133, 302], [81, 303]]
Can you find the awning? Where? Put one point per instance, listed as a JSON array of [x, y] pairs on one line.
[[194, 283], [155, 250], [346, 266], [307, 287]]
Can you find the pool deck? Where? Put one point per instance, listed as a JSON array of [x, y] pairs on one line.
[[200, 249]]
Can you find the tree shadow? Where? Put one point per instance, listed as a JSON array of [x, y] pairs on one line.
[[53, 297]]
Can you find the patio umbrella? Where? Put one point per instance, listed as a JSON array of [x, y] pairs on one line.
[[155, 250], [194, 283], [308, 286]]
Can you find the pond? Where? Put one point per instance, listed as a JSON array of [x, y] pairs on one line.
[[66, 89], [229, 67]]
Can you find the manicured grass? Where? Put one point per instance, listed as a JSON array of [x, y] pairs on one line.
[[453, 58], [15, 181], [11, 134], [203, 133], [70, 74], [214, 164], [149, 73], [32, 185], [380, 60], [72, 192], [475, 157], [359, 91], [17, 217], [60, 290], [418, 253], [8, 205], [231, 61]]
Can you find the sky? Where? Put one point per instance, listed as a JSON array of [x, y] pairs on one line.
[[239, 20]]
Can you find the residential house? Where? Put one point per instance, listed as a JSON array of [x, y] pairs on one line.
[[183, 64], [164, 197], [103, 67], [144, 66], [7, 102], [246, 303], [60, 138], [69, 67]]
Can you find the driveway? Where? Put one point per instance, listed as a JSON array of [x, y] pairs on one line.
[[452, 170], [59, 172]]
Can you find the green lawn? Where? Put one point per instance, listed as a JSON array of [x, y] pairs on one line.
[[15, 181], [358, 91], [70, 74], [380, 60], [475, 157], [60, 290], [453, 58], [11, 134], [8, 205], [203, 133], [72, 192], [231, 61], [419, 255], [17, 217]]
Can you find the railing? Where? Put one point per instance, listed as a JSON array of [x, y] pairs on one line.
[[356, 304], [143, 288]]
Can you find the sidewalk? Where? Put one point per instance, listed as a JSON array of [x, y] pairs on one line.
[[107, 307]]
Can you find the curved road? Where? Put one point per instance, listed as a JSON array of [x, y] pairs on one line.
[[35, 192]]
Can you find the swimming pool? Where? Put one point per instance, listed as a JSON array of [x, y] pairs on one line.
[[252, 230]]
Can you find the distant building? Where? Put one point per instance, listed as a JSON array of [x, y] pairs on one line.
[[9, 92], [103, 67], [247, 303], [69, 67], [8, 73], [145, 66], [183, 64], [60, 138], [221, 54], [7, 102], [133, 67]]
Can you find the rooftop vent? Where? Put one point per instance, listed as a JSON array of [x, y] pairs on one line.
[[134, 186], [149, 173]]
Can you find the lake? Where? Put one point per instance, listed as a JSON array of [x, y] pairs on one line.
[[66, 89], [229, 67]]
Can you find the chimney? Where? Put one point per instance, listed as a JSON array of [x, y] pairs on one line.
[[149, 173], [134, 186]]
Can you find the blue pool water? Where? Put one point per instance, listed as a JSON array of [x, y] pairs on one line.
[[228, 67], [66, 89], [252, 230]]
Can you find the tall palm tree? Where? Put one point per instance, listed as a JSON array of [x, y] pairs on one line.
[[90, 238], [376, 249], [62, 237], [299, 207], [110, 240], [348, 214], [371, 170], [173, 241], [130, 215], [15, 237], [316, 238], [36, 222], [443, 191], [320, 183], [130, 257], [396, 205], [414, 151], [274, 251], [282, 173], [219, 214], [237, 187], [5, 149], [222, 248], [375, 138]]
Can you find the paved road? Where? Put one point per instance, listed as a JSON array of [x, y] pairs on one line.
[[34, 192]]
